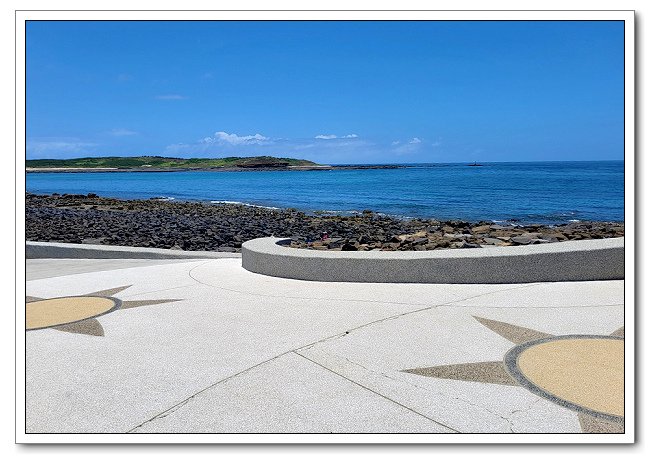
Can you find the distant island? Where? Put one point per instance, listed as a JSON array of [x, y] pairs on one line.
[[162, 163]]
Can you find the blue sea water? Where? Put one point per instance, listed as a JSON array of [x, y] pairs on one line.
[[544, 192]]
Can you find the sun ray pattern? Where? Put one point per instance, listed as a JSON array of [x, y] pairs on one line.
[[138, 303], [590, 424], [88, 327], [619, 332], [487, 372], [78, 314], [108, 291], [514, 333], [583, 373]]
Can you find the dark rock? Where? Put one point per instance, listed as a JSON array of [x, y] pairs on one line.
[[203, 226], [521, 240]]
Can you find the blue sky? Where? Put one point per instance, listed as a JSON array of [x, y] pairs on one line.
[[333, 92]]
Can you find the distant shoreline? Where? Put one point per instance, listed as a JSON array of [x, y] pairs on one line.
[[219, 169], [169, 164]]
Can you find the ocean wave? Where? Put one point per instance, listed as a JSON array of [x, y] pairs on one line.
[[227, 202]]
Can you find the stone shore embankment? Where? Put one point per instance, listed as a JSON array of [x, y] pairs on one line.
[[224, 227]]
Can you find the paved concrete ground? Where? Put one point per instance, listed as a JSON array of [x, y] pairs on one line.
[[206, 346], [44, 268]]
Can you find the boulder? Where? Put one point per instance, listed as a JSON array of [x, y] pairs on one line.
[[481, 229], [493, 241], [521, 240]]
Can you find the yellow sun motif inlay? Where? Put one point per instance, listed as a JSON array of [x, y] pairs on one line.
[[58, 311], [584, 371], [78, 313], [580, 372]]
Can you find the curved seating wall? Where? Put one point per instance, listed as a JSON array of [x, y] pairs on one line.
[[601, 259]]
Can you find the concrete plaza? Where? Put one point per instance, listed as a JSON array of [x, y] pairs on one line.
[[202, 345]]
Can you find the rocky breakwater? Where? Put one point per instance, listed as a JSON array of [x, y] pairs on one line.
[[200, 226], [204, 226], [458, 234]]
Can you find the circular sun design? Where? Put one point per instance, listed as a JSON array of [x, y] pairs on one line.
[[78, 314], [583, 373], [580, 372], [65, 310]]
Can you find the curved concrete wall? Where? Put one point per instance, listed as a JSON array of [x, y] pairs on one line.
[[565, 261], [34, 250]]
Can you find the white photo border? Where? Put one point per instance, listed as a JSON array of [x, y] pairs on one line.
[[21, 16]]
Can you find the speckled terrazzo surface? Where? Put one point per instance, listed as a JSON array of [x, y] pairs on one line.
[[587, 372], [206, 346]]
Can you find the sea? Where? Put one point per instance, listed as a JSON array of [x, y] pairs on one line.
[[525, 192]]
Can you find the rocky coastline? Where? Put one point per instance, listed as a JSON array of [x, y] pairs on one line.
[[224, 227]]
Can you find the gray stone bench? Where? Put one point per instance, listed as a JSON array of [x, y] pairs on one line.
[[563, 261]]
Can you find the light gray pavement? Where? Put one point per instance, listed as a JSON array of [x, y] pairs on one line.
[[243, 352], [50, 267]]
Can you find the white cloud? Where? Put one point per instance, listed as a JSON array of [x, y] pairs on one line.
[[324, 148], [57, 148], [122, 132], [170, 97], [332, 136], [338, 149], [223, 144], [409, 147], [224, 138]]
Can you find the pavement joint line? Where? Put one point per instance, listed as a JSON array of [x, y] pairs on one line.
[[182, 403], [377, 393], [527, 408], [159, 290], [141, 293], [536, 307], [457, 398], [345, 299], [189, 272], [300, 297], [397, 316], [112, 270]]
